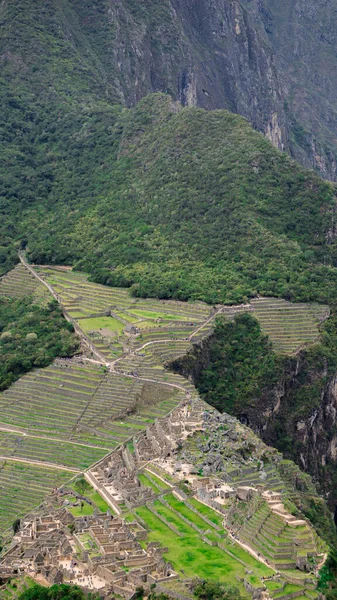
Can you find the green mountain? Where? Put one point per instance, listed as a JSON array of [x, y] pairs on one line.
[[112, 161], [177, 203]]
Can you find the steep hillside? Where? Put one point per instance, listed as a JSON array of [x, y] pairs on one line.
[[179, 203], [263, 59], [290, 401]]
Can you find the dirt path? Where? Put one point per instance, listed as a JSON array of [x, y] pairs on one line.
[[49, 439], [206, 323], [39, 463]]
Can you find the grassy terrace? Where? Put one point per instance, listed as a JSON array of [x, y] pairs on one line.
[[80, 403], [61, 453], [19, 283], [281, 544], [16, 587], [70, 414], [91, 304], [188, 552], [207, 550], [22, 487], [289, 325], [74, 412]]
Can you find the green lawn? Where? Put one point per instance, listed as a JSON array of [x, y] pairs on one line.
[[92, 495], [100, 503], [189, 553], [149, 314], [186, 512], [145, 481], [208, 512], [97, 323], [79, 511], [159, 483]]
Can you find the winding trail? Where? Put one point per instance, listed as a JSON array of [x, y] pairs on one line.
[[100, 358]]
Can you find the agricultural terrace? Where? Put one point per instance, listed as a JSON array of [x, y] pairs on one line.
[[19, 283], [71, 414], [115, 322], [164, 330], [199, 538], [24, 486], [74, 412], [194, 545], [288, 325]]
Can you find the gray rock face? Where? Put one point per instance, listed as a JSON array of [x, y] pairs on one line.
[[273, 62]]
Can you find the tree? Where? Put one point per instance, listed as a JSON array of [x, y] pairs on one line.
[[57, 592], [210, 590], [16, 525]]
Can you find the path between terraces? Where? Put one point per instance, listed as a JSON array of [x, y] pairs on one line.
[[39, 463], [9, 429], [101, 357]]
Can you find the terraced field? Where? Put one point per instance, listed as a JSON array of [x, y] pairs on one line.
[[75, 411], [194, 545], [114, 321], [177, 324], [71, 414], [19, 283], [288, 325], [22, 487]]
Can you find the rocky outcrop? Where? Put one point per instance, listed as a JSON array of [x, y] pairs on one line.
[[297, 415], [263, 59]]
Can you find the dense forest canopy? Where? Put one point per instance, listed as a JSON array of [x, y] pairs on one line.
[[175, 203], [31, 336]]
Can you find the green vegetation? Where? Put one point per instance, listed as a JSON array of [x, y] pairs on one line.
[[57, 592], [242, 363], [182, 177], [23, 487], [81, 486], [158, 247], [101, 322], [212, 515], [31, 336], [189, 553], [208, 590]]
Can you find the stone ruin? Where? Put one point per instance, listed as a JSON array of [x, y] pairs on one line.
[[100, 553], [115, 477]]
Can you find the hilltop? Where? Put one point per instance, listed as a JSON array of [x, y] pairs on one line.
[[180, 203], [271, 62], [175, 202]]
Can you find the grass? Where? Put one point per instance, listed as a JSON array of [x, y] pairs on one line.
[[148, 483], [189, 554], [92, 495], [97, 323], [186, 512], [148, 314], [82, 511], [208, 512], [158, 482], [99, 502]]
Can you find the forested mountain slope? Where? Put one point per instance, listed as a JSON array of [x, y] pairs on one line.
[[177, 202], [273, 62]]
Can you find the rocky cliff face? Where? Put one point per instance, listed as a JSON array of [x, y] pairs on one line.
[[273, 62], [298, 415]]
